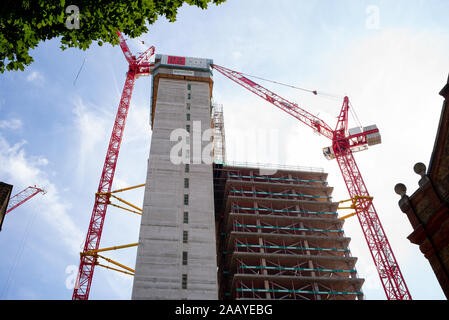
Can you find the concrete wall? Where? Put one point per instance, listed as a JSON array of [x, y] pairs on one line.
[[159, 268]]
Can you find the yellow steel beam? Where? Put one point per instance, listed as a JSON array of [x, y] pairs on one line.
[[120, 190], [353, 205], [348, 216], [110, 194], [92, 252], [116, 205], [363, 197], [345, 200], [126, 202], [354, 201], [116, 263], [114, 269], [126, 189]]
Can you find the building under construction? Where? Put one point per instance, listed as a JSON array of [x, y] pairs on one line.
[[216, 230], [279, 236]]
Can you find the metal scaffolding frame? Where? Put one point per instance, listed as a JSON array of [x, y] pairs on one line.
[[278, 227]]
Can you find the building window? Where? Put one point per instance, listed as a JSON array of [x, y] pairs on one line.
[[186, 182], [186, 217], [188, 106], [185, 236], [188, 127], [188, 117], [189, 87], [187, 168], [186, 199], [188, 96], [184, 281], [184, 258]]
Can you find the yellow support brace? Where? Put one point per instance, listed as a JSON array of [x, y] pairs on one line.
[[353, 205], [120, 190], [92, 252], [116, 263], [117, 206], [114, 269], [110, 194], [348, 216], [126, 189], [129, 204]]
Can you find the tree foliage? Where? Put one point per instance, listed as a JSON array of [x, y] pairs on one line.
[[24, 24]]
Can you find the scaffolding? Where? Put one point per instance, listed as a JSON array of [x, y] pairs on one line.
[[280, 237], [219, 142]]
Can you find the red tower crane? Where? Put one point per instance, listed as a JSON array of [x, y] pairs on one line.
[[22, 197], [139, 66], [344, 142]]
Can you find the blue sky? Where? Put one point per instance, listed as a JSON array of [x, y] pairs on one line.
[[54, 133]]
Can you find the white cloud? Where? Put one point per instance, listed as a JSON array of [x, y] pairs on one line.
[[93, 129], [40, 161], [21, 170], [138, 128], [11, 124], [91, 132], [35, 77]]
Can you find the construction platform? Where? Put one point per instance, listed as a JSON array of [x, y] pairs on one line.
[[279, 236]]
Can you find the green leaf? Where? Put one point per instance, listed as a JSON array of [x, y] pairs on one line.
[[27, 23]]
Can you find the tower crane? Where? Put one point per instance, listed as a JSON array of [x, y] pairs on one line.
[[345, 142], [22, 197], [139, 66]]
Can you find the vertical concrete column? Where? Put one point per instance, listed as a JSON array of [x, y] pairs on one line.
[[166, 266], [310, 262]]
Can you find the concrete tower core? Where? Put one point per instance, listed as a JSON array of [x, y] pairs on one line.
[[176, 257]]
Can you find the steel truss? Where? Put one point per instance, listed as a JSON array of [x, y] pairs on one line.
[[139, 66]]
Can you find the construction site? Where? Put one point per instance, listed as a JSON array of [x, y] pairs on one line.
[[272, 232], [271, 236], [212, 228]]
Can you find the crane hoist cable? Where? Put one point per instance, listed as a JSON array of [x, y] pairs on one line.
[[315, 92], [79, 71]]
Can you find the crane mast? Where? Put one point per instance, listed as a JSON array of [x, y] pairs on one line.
[[344, 143], [137, 67]]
